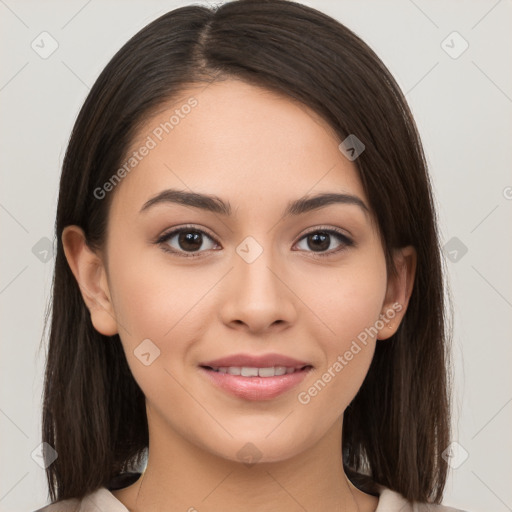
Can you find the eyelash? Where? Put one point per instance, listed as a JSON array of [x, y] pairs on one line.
[[346, 241]]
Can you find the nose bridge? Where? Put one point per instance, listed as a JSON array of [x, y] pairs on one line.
[[253, 266], [257, 295]]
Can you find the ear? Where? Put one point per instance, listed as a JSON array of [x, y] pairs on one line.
[[90, 274], [398, 292]]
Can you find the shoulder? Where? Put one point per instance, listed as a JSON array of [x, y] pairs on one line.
[[72, 505], [100, 500], [391, 501]]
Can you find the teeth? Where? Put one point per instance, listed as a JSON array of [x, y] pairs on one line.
[[247, 371]]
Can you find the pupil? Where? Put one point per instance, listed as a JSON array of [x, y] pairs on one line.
[[324, 241], [190, 240]]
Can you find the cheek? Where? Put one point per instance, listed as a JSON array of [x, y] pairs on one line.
[[150, 296], [348, 303], [157, 311], [163, 303], [346, 300]]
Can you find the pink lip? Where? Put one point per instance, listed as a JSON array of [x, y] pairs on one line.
[[255, 388], [251, 361]]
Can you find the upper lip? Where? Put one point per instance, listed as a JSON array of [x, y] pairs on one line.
[[253, 361]]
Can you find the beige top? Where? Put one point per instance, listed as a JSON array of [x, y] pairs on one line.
[[104, 500]]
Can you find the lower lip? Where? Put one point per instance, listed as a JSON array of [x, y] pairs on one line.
[[255, 388]]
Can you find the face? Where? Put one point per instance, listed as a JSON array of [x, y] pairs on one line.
[[248, 279]]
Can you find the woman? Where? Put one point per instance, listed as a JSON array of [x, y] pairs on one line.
[[248, 286]]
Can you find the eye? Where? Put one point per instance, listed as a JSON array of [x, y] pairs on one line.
[[320, 240], [188, 240]]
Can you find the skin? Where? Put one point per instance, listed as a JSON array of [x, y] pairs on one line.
[[257, 150]]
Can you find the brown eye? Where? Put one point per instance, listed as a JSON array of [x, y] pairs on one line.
[[320, 241], [187, 240]]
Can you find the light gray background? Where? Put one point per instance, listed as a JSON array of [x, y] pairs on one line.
[[462, 106]]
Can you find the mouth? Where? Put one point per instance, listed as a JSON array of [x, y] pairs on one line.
[[253, 382], [249, 371]]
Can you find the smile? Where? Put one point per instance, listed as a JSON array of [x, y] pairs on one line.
[[254, 383], [247, 371]]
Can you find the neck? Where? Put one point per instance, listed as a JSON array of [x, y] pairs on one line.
[[181, 476]]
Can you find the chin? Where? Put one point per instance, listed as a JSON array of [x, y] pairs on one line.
[[258, 448]]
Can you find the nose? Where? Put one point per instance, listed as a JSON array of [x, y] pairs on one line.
[[257, 295]]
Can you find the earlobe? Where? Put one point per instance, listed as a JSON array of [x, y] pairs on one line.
[[89, 272], [398, 292]]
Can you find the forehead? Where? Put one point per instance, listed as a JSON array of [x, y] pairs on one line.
[[240, 142]]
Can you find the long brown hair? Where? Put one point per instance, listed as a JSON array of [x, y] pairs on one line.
[[397, 426]]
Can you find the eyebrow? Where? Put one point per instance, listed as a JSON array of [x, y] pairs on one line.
[[214, 204]]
